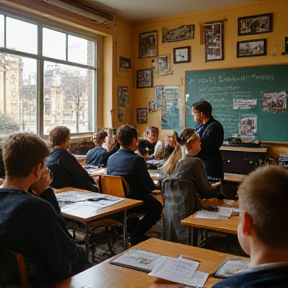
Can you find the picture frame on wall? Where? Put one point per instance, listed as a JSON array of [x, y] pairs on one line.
[[144, 78], [162, 65], [181, 54], [214, 41], [250, 48], [142, 115], [124, 63], [257, 24], [148, 44]]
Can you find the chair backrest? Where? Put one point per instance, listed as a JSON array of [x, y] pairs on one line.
[[113, 185], [13, 269], [181, 199]]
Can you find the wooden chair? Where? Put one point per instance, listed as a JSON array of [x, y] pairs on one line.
[[113, 185], [118, 186], [13, 271]]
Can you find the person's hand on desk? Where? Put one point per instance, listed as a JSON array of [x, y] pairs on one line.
[[43, 183]]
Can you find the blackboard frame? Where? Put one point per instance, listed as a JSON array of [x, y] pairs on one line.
[[221, 86]]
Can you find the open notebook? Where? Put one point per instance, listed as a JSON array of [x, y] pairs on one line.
[[222, 213]]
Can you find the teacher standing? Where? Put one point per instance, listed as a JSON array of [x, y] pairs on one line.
[[211, 134]]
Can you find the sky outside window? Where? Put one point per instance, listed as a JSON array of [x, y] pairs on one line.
[[21, 36]]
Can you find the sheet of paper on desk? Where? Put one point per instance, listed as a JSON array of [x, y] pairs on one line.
[[76, 196], [80, 210], [181, 271], [223, 213], [92, 203], [156, 162], [97, 171], [138, 259]]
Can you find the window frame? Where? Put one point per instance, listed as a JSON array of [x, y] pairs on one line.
[[68, 30]]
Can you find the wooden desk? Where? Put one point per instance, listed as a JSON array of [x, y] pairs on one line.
[[108, 275], [82, 217], [235, 178], [229, 226]]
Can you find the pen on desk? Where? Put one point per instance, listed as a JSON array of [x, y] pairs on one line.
[[189, 258]]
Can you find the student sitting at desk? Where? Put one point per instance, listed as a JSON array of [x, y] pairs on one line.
[[263, 229], [188, 167], [67, 172], [150, 146], [30, 225], [98, 156], [133, 168]]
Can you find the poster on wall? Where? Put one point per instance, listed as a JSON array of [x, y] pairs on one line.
[[248, 126], [123, 101], [272, 102], [184, 32], [141, 115], [171, 118]]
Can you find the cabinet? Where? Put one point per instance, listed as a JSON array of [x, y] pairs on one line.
[[242, 160], [238, 162]]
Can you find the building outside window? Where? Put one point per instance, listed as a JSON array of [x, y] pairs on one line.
[[47, 78]]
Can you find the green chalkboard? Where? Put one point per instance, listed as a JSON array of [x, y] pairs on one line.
[[250, 101]]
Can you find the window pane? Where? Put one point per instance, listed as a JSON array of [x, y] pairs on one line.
[[68, 97], [18, 88], [1, 31], [54, 44], [21, 36], [80, 50]]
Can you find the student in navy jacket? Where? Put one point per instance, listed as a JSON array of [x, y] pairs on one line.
[[133, 168], [98, 156], [67, 172], [30, 225]]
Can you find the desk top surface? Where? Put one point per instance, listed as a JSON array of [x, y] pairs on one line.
[[108, 275], [81, 214], [229, 226]]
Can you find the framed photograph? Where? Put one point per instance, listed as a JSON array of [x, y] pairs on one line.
[[182, 54], [141, 115], [181, 33], [214, 41], [251, 48], [148, 44], [145, 78], [255, 24], [162, 66], [124, 63]]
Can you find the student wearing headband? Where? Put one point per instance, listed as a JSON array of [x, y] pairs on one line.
[[184, 165]]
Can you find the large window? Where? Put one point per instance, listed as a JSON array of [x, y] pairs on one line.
[[47, 78]]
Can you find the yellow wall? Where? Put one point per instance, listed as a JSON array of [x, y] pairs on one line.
[[117, 42], [122, 40], [142, 96]]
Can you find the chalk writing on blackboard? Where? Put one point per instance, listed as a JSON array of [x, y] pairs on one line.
[[263, 90]]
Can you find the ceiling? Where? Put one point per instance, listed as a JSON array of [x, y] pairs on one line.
[[136, 10]]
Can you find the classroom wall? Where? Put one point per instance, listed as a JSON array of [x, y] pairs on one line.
[[275, 42], [122, 40], [117, 41]]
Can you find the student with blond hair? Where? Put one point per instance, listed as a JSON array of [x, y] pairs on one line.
[[183, 163]]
